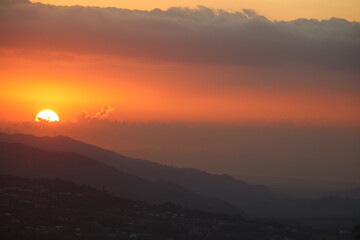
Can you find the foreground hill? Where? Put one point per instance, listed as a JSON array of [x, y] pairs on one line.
[[53, 209], [21, 160], [222, 187]]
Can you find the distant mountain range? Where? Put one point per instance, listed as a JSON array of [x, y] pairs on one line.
[[349, 193], [25, 161], [222, 187], [66, 158]]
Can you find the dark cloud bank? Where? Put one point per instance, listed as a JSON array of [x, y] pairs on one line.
[[199, 35]]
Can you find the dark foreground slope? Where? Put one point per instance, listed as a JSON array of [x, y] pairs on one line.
[[21, 160], [53, 209], [223, 186]]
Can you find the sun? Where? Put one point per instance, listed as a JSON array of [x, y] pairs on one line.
[[47, 115]]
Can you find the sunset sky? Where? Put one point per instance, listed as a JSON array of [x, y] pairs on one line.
[[180, 64], [228, 63]]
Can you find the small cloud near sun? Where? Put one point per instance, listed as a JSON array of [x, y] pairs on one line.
[[97, 116], [104, 112]]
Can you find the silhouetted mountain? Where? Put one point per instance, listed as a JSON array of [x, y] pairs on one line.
[[307, 208], [351, 193], [297, 187], [21, 160], [223, 186], [43, 209]]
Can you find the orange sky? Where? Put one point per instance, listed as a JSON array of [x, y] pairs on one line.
[[266, 97], [165, 76], [144, 92]]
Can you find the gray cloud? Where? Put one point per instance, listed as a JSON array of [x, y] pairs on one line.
[[199, 35]]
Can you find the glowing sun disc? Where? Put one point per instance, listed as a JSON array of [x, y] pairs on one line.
[[47, 115]]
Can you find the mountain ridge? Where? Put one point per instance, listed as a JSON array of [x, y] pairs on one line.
[[219, 186], [26, 161]]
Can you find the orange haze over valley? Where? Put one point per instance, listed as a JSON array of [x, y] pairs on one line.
[[255, 88]]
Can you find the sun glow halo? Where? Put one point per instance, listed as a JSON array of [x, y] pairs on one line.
[[47, 115]]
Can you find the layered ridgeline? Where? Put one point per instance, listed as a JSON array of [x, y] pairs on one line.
[[223, 186], [72, 160], [25, 161]]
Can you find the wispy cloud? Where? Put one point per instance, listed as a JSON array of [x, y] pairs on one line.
[[102, 114]]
